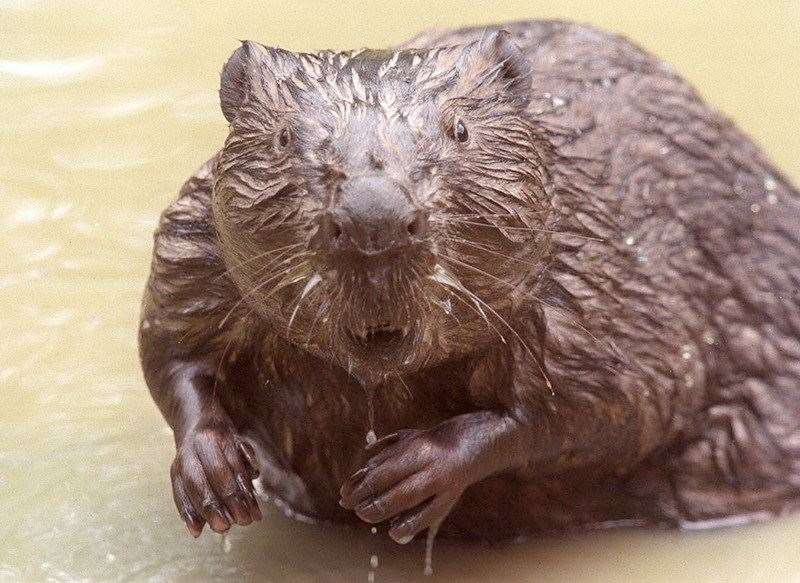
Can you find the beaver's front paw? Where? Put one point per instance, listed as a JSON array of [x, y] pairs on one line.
[[212, 478], [414, 477]]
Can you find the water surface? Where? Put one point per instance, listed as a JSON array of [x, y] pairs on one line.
[[105, 108]]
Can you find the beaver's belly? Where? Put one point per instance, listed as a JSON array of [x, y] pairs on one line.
[[315, 420], [313, 425]]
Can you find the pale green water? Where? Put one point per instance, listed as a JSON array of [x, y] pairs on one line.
[[105, 110]]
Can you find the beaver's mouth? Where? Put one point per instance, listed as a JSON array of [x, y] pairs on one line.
[[381, 337]]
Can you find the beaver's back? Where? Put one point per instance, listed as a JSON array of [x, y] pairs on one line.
[[696, 270]]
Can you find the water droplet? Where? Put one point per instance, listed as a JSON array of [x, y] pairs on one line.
[[31, 212], [630, 240], [373, 561], [7, 373], [373, 530], [43, 254], [56, 319], [432, 530], [60, 211], [371, 438]]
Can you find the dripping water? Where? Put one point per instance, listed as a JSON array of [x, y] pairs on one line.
[[432, 531], [373, 565], [370, 437], [225, 543]]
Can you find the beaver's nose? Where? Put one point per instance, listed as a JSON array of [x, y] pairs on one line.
[[372, 215]]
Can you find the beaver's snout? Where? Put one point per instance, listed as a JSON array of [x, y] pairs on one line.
[[371, 215]]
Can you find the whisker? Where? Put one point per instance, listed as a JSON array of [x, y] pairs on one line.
[[491, 309], [535, 298], [570, 316], [480, 271], [289, 279], [256, 288], [441, 276], [480, 215], [312, 283], [452, 286], [233, 268], [505, 322], [262, 269], [320, 311], [408, 391], [469, 243], [447, 219]]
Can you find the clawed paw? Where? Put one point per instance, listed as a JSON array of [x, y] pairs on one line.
[[212, 480], [413, 478]]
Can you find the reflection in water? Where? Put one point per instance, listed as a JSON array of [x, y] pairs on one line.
[[107, 108]]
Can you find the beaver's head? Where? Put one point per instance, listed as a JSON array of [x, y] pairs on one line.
[[383, 209]]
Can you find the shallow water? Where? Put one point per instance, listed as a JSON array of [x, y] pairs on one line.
[[105, 109]]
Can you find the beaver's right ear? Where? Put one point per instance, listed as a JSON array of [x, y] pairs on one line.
[[252, 75]]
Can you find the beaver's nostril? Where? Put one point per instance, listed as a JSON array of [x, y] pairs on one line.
[[418, 225], [332, 228]]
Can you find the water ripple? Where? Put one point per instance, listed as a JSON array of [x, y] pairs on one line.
[[128, 107], [52, 72]]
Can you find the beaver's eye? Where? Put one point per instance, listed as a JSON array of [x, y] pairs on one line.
[[283, 138], [460, 131]]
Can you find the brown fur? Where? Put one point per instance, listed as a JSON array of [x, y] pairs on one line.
[[604, 324]]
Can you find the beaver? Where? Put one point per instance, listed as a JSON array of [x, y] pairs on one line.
[[504, 280]]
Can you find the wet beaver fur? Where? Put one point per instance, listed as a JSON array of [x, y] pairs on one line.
[[558, 288]]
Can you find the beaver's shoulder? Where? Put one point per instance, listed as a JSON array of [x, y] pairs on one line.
[[188, 273]]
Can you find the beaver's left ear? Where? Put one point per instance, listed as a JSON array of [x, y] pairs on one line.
[[493, 63]]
